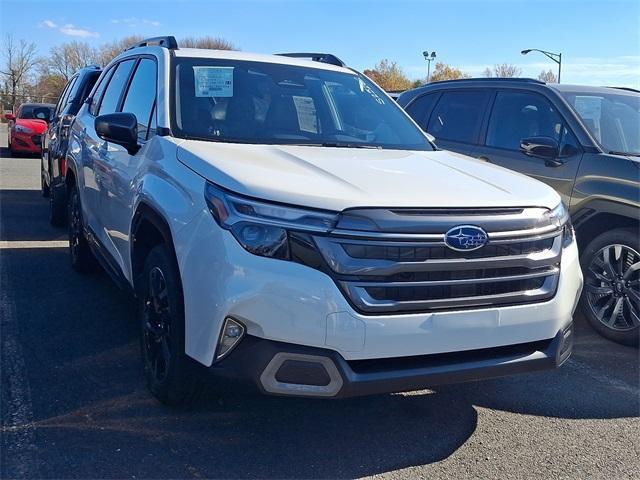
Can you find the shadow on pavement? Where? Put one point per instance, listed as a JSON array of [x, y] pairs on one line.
[[94, 418]]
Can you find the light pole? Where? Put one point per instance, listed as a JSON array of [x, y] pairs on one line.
[[429, 58], [556, 57]]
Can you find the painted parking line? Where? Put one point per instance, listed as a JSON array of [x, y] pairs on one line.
[[24, 244]]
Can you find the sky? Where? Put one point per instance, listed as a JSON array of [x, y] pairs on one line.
[[599, 40]]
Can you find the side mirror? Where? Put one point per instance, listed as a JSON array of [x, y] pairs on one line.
[[541, 147], [9, 116], [120, 128]]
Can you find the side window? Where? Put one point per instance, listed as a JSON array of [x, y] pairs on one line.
[[458, 115], [62, 101], [141, 95], [67, 95], [517, 115], [112, 94], [420, 107], [97, 95]]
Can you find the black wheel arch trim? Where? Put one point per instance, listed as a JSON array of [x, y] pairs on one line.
[[598, 206]]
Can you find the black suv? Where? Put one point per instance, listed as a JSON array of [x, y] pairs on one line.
[[583, 141], [54, 141]]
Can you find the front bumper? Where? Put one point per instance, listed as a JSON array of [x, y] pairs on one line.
[[24, 142], [279, 368]]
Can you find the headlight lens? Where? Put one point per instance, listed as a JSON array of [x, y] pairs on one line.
[[559, 215], [22, 129], [262, 228]]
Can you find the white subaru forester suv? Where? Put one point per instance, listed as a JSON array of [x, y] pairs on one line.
[[283, 222]]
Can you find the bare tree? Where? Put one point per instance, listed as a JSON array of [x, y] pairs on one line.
[[548, 77], [503, 71], [67, 58], [109, 51], [212, 43], [19, 59]]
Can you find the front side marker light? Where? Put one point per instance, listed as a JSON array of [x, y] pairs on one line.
[[231, 334]]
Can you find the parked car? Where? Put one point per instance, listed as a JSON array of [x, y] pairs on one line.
[[55, 141], [281, 220], [25, 129], [584, 142]]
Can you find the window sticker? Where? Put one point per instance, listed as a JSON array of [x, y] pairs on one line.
[[213, 81], [306, 110], [588, 107]]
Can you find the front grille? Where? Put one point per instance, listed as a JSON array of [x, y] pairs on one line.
[[386, 272]]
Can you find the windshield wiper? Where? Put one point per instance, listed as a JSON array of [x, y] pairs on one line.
[[614, 152], [349, 145]]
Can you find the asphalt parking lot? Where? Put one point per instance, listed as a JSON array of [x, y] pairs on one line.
[[73, 402]]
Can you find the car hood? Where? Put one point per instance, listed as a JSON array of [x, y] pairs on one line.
[[38, 126], [340, 178]]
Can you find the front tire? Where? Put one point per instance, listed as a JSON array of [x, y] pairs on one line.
[[44, 188], [611, 296], [171, 376], [82, 259]]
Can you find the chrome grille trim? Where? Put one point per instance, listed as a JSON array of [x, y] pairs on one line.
[[343, 264], [403, 264], [368, 304]]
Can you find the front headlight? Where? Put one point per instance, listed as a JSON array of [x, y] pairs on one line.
[[559, 217], [262, 228], [22, 129]]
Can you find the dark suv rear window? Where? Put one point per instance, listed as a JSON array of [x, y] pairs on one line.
[[458, 115]]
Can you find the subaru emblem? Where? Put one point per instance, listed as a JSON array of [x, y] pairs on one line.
[[465, 238]]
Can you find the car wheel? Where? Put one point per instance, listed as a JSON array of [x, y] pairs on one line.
[[57, 209], [611, 296], [82, 259], [170, 374]]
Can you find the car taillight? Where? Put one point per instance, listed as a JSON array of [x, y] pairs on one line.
[[63, 166]]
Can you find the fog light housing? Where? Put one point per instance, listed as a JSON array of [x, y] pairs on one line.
[[231, 334]]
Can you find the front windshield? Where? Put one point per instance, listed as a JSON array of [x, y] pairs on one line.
[[35, 112], [612, 118], [269, 103]]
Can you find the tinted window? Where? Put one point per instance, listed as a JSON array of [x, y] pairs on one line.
[[65, 95], [97, 95], [420, 107], [458, 115], [613, 118], [142, 95], [517, 115], [111, 96], [254, 102], [39, 112]]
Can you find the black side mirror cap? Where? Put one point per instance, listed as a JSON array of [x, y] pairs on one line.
[[541, 147], [120, 128]]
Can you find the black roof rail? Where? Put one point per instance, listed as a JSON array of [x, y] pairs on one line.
[[628, 89], [317, 57], [490, 79], [168, 41]]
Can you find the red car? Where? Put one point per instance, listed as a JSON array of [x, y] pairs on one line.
[[27, 127]]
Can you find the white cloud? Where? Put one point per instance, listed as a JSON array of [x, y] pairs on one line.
[[135, 22], [73, 31], [623, 70], [68, 29], [48, 23]]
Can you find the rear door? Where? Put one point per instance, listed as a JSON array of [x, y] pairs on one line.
[[517, 114], [457, 118]]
